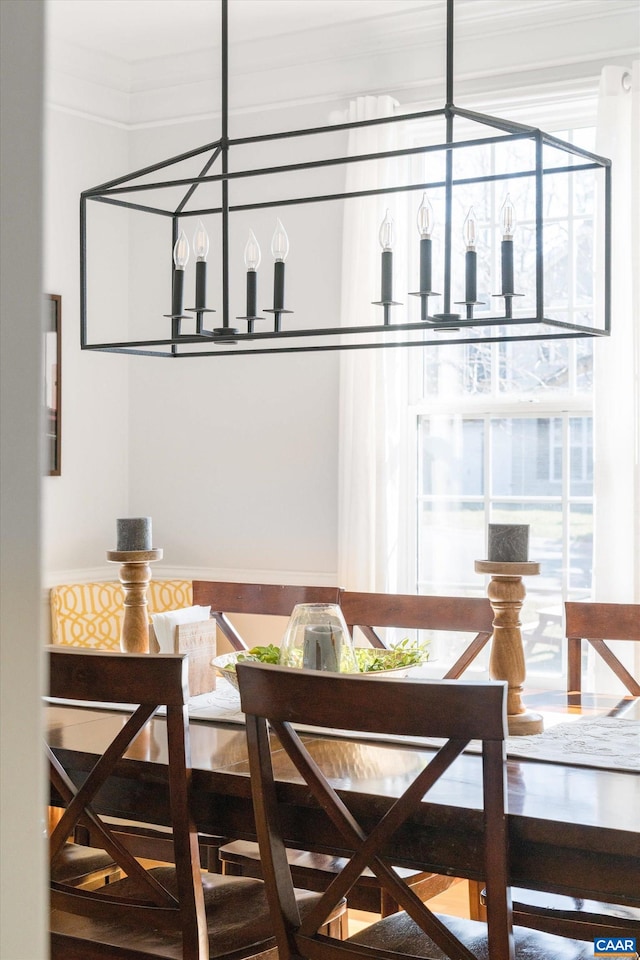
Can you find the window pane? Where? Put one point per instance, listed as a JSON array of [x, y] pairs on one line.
[[452, 456], [451, 539], [526, 456], [581, 456], [580, 549], [534, 367]]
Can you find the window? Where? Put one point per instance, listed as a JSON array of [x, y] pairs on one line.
[[504, 434]]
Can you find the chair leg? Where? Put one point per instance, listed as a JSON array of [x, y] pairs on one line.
[[477, 909], [388, 905], [338, 928]]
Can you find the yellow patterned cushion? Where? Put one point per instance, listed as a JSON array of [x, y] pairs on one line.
[[90, 614]]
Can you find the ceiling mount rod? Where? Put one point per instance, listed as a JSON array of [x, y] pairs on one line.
[[448, 200], [449, 55], [224, 142]]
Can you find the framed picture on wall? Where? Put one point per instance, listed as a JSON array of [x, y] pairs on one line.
[[52, 382]]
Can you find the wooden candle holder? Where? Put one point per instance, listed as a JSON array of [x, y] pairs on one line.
[[134, 575], [506, 594]]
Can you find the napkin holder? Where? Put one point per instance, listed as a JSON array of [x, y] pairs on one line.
[[198, 641]]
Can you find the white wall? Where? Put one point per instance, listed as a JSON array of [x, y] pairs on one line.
[[81, 505], [22, 797]]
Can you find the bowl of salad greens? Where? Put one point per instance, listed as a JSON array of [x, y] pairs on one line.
[[395, 662]]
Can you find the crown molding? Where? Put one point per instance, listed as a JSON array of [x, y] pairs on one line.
[[497, 47]]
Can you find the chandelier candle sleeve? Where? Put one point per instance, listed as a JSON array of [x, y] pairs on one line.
[[508, 543], [134, 533], [278, 285], [425, 264], [507, 268]]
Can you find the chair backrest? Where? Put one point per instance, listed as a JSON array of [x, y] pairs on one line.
[[458, 614], [264, 599], [458, 711], [595, 623], [149, 682]]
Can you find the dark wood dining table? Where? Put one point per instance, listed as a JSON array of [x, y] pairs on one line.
[[571, 828]]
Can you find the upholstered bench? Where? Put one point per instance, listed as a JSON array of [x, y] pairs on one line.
[[90, 614]]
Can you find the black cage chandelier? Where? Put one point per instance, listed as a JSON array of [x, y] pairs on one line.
[[547, 199]]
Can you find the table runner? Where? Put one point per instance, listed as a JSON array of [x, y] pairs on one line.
[[609, 743]]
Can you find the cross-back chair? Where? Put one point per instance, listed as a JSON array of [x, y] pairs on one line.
[[311, 870], [264, 599], [595, 623], [574, 916], [279, 698], [171, 911], [455, 614], [369, 612]]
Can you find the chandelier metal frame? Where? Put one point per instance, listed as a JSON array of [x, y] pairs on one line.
[[447, 327]]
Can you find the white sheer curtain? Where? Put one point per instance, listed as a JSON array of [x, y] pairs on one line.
[[617, 359], [373, 486]]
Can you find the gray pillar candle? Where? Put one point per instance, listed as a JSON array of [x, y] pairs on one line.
[[508, 543], [134, 533], [321, 649]]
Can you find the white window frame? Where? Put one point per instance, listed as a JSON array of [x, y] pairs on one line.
[[575, 113]]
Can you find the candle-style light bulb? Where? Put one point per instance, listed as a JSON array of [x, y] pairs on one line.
[[386, 233], [201, 242], [252, 254], [181, 251], [508, 219], [469, 230], [425, 218], [280, 243]]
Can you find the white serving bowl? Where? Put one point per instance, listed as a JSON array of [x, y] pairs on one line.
[[225, 664]]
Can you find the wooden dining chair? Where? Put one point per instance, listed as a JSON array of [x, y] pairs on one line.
[[164, 910], [261, 599], [278, 698], [82, 866], [371, 611], [311, 870], [595, 623], [565, 915]]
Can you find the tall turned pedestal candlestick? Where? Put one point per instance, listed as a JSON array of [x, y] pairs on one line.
[[506, 593], [135, 574]]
